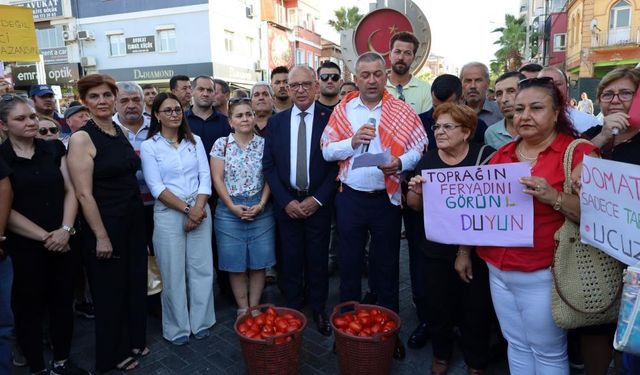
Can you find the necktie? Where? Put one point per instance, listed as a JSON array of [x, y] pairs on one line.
[[400, 92], [301, 164]]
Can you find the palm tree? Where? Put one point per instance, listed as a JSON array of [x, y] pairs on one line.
[[511, 42], [346, 18]]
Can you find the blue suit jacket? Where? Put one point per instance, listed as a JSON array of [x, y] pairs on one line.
[[277, 153]]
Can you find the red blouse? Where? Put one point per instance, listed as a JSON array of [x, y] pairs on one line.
[[546, 221]]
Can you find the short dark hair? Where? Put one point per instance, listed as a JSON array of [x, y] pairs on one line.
[[223, 84], [279, 70], [407, 37], [446, 85], [195, 80], [349, 83], [86, 83], [149, 86], [184, 132], [511, 74], [531, 67], [329, 65], [173, 82]]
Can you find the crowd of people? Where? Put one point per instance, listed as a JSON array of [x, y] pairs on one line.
[[232, 187]]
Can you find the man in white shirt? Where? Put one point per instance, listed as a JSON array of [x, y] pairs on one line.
[[368, 199]]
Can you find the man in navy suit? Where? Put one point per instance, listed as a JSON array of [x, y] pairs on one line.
[[303, 185]]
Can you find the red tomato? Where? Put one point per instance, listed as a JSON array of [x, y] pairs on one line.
[[349, 331], [260, 320], [362, 314], [252, 334], [374, 312], [255, 328], [376, 328], [249, 321], [282, 326], [390, 324], [340, 322], [367, 331], [349, 318], [355, 327], [243, 327], [362, 334], [288, 316], [271, 311], [365, 321], [270, 319], [295, 322]]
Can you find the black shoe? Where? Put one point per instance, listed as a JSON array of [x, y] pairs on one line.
[[68, 368], [399, 352], [85, 310], [370, 298], [322, 323], [419, 336]]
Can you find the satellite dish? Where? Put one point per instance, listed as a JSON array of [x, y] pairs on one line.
[[594, 24]]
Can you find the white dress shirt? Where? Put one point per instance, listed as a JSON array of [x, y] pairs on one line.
[[183, 171], [368, 178], [295, 125]]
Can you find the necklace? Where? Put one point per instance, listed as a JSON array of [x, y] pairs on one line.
[[171, 142], [522, 155], [103, 131]]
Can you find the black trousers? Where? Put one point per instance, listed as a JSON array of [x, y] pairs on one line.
[[43, 282], [119, 288], [414, 229], [357, 214], [453, 302], [305, 254]]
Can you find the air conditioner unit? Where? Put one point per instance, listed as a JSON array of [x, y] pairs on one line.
[[249, 11], [256, 66], [68, 36], [85, 35], [88, 61]]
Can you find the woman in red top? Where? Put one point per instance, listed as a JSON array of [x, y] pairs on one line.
[[519, 277]]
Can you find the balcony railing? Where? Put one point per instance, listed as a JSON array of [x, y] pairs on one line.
[[615, 37]]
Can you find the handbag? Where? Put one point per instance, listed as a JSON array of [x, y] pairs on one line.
[[154, 281], [587, 283], [627, 338]]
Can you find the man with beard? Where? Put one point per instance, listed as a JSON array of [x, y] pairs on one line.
[[401, 83], [280, 86], [221, 96], [503, 131], [150, 93], [44, 102], [262, 105], [181, 87], [475, 82], [330, 83]]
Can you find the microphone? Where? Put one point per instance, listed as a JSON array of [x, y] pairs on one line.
[[615, 131], [372, 121]]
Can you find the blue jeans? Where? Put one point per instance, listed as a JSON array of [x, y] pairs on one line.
[[6, 316], [630, 364]]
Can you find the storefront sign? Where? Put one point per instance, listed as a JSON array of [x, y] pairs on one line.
[[159, 73], [610, 208], [141, 44], [482, 205], [17, 35], [57, 74], [42, 9], [55, 55], [235, 74]]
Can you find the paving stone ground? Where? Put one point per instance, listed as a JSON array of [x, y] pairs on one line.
[[221, 353]]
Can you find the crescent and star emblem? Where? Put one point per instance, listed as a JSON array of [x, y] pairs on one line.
[[392, 30]]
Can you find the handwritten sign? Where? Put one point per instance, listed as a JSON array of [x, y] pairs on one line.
[[17, 34], [610, 208], [480, 205]]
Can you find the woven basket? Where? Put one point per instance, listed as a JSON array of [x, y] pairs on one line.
[[586, 281], [365, 355], [265, 357]]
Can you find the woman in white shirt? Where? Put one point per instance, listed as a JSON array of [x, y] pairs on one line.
[[176, 170]]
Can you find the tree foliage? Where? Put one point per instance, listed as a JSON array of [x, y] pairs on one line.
[[346, 18], [511, 40]]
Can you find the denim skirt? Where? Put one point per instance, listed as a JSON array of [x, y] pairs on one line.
[[244, 244]]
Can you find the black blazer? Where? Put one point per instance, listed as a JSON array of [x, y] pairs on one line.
[[276, 160]]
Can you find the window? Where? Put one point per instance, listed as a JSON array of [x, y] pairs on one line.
[[292, 17], [559, 42], [228, 41], [299, 56], [249, 42], [310, 59], [167, 40], [619, 23], [50, 37], [116, 45]]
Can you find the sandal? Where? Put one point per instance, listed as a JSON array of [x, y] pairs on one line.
[[137, 353], [129, 363]]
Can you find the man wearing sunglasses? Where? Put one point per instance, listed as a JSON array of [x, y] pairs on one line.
[[401, 83], [581, 120], [330, 82]]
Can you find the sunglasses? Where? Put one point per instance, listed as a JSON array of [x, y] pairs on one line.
[[52, 130], [239, 100], [324, 77], [536, 82], [8, 97]]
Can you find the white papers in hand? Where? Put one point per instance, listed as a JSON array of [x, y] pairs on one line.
[[371, 160]]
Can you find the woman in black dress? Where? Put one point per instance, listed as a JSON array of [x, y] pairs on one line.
[[457, 280], [40, 225], [103, 166]]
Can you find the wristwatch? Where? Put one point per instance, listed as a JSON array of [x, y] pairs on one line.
[[70, 230], [186, 210]]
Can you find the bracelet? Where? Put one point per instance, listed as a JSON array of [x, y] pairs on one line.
[[462, 252], [558, 203]]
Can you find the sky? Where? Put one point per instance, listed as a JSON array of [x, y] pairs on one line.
[[460, 29]]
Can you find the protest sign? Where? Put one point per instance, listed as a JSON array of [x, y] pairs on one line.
[[480, 205], [610, 208], [17, 34]]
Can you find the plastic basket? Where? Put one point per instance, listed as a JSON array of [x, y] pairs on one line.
[[364, 355], [265, 357]]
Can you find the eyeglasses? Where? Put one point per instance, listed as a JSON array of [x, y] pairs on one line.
[[324, 77], [536, 81], [52, 130], [623, 96], [171, 111], [305, 85], [446, 127], [239, 100]]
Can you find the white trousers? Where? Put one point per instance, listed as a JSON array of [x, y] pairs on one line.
[[186, 266], [522, 301]]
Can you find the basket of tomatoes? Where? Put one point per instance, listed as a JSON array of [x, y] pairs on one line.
[[365, 338], [271, 338]]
